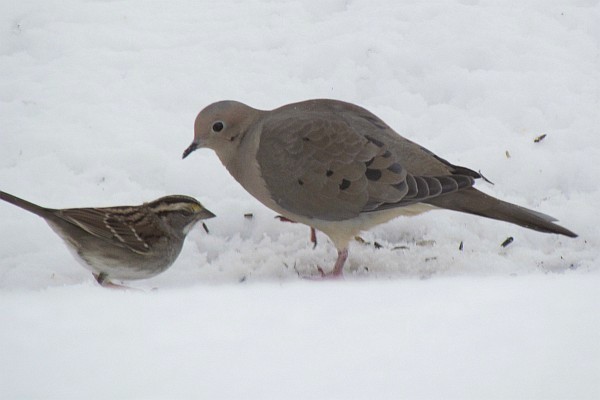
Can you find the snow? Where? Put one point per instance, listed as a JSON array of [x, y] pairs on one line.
[[97, 103], [439, 338]]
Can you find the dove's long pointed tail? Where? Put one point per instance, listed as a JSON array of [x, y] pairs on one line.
[[24, 204], [473, 201]]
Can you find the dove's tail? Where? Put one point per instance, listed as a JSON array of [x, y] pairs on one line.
[[24, 204], [473, 201]]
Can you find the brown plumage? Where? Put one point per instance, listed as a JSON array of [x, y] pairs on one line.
[[124, 242]]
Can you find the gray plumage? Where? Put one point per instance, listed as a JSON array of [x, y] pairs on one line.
[[338, 168]]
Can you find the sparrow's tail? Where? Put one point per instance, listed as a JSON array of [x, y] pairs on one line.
[[24, 204], [473, 201]]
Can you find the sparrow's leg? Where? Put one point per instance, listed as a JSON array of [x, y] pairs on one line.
[[103, 281]]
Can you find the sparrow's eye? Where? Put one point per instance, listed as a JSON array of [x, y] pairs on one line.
[[218, 126], [185, 211]]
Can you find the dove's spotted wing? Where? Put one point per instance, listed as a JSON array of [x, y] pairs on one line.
[[334, 165]]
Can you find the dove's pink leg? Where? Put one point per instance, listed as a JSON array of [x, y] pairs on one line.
[[338, 268]]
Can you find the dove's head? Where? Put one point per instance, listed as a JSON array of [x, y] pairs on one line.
[[220, 126]]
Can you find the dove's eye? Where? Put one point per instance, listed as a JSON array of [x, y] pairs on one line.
[[218, 126]]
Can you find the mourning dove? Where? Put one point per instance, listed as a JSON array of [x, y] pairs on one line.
[[337, 167], [124, 242]]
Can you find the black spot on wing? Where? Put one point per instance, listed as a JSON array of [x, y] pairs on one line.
[[395, 168], [373, 174], [345, 184]]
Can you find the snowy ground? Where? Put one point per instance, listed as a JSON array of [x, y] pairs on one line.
[[97, 102]]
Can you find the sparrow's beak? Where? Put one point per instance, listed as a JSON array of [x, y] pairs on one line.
[[206, 214], [191, 148]]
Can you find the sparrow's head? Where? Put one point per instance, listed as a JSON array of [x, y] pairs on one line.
[[180, 212]]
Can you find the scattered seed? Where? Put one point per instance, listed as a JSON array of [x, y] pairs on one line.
[[539, 138], [284, 219], [430, 259], [205, 227], [460, 247], [507, 154], [400, 248], [360, 240], [425, 243], [508, 241], [363, 241], [249, 215]]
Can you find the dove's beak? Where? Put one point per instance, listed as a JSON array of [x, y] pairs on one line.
[[190, 149]]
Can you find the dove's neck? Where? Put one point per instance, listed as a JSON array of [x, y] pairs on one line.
[[240, 156], [243, 166]]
